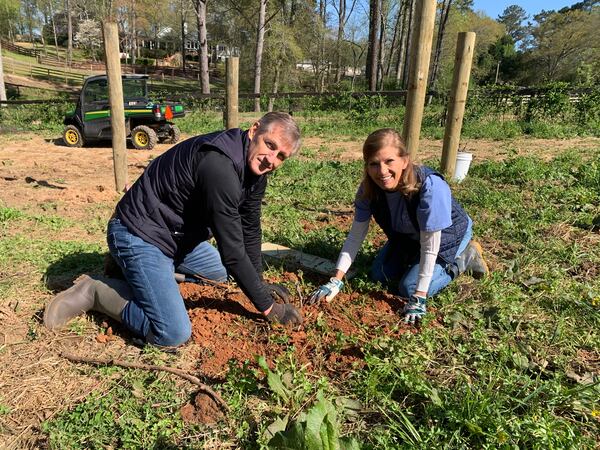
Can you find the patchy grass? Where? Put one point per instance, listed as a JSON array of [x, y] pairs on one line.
[[508, 362]]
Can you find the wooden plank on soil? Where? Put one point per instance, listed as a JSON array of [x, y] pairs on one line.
[[303, 260]]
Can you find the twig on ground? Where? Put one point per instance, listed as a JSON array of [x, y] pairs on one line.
[[209, 282], [132, 365]]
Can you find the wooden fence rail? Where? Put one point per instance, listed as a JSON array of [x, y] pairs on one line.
[[99, 67], [20, 50], [524, 95], [12, 66]]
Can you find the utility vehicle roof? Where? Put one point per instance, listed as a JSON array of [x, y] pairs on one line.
[[126, 76]]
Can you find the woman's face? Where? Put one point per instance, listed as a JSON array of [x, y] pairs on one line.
[[385, 168]]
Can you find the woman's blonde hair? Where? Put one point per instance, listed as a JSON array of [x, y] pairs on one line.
[[378, 139]]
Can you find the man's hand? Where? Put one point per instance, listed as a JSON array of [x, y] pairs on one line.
[[279, 292], [327, 291], [285, 314], [415, 309]]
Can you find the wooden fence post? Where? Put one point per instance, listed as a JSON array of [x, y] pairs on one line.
[[232, 101], [465, 45], [117, 109], [418, 74], [2, 86]]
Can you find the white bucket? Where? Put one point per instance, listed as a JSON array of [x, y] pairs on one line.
[[463, 161]]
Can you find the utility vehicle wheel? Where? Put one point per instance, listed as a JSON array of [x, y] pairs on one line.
[[174, 135], [72, 137], [143, 137]]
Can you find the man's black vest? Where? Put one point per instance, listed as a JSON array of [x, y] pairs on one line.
[[451, 236], [162, 206]]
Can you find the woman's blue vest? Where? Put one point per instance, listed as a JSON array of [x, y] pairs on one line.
[[451, 236]]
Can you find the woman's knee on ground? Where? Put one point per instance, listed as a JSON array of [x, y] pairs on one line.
[[377, 274], [406, 288]]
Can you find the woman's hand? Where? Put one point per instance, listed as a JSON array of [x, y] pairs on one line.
[[415, 309], [326, 291]]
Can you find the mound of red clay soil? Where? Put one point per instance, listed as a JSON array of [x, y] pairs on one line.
[[203, 410], [227, 328]]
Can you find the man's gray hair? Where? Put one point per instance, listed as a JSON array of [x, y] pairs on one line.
[[284, 120]]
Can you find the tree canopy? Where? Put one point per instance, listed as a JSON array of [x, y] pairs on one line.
[[324, 44]]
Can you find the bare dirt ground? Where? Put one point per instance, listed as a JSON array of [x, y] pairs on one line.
[[41, 177], [482, 149]]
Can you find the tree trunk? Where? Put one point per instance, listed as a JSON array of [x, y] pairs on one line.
[[182, 37], [69, 32], [393, 45], [497, 71], [156, 50], [446, 4], [45, 49], [30, 13], [275, 83], [373, 50], [134, 45], [2, 87], [403, 39], [340, 36], [382, 37], [203, 50], [54, 31], [409, 35], [321, 68], [28, 10], [260, 42]]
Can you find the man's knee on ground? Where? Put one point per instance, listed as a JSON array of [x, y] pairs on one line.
[[173, 335]]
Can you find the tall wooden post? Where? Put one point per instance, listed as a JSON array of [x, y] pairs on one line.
[[232, 107], [2, 87], [420, 54], [117, 109], [465, 45]]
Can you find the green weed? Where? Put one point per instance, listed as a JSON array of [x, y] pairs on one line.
[[138, 411]]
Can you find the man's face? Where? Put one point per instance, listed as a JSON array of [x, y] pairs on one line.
[[268, 150]]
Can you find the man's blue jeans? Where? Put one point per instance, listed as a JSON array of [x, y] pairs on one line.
[[157, 312], [386, 268]]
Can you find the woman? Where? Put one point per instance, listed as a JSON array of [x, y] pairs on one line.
[[429, 234]]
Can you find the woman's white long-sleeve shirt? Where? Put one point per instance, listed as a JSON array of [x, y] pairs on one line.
[[430, 246]]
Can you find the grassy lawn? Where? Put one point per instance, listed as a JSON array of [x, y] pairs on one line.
[[512, 361]]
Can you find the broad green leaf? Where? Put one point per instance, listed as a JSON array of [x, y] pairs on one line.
[[329, 434], [274, 380], [278, 425], [349, 444], [262, 363], [291, 439], [314, 420]]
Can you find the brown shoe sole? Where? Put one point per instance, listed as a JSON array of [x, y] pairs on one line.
[[486, 272]]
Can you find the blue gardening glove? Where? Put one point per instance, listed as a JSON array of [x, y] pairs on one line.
[[327, 291], [415, 309]]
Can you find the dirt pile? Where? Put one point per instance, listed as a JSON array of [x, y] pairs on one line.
[[202, 410], [229, 331]]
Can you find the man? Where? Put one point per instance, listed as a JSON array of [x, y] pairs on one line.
[[207, 185]]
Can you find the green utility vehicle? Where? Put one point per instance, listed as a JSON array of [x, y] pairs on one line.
[[146, 122]]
